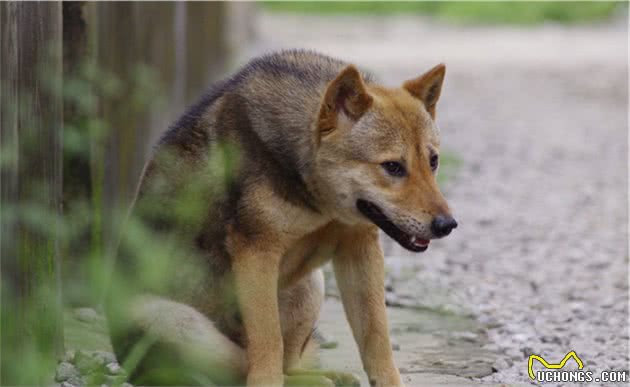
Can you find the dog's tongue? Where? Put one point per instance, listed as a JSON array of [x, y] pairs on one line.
[[419, 241]]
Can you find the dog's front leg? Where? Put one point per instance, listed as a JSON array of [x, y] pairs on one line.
[[360, 273], [256, 279]]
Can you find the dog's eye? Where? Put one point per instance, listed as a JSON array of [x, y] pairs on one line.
[[394, 168], [433, 161]]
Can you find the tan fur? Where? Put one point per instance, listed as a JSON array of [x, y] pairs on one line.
[[428, 87], [340, 129], [360, 273]]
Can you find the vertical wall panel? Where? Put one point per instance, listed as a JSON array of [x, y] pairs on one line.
[[31, 118]]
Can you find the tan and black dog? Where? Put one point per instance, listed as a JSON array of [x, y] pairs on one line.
[[295, 160]]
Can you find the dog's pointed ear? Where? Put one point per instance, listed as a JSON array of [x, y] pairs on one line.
[[428, 87], [346, 96]]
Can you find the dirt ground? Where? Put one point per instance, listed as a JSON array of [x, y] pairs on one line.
[[538, 116]]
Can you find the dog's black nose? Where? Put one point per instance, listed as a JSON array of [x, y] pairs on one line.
[[442, 225]]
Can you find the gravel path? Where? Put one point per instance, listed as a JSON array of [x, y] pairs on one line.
[[539, 118]]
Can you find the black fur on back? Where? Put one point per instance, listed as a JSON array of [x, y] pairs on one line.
[[273, 63]]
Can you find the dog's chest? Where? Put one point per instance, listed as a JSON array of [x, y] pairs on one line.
[[308, 253]]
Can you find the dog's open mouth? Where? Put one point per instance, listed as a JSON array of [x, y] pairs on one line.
[[408, 241]]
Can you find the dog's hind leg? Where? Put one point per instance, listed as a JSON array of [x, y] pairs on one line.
[[299, 307], [299, 310], [169, 343]]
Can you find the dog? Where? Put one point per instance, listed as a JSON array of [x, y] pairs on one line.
[[296, 160]]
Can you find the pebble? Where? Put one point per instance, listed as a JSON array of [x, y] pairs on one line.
[[68, 356], [324, 340], [467, 336], [97, 367], [114, 369], [65, 371], [86, 314], [502, 363], [520, 337]]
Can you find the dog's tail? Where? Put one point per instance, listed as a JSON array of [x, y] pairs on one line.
[[168, 343]]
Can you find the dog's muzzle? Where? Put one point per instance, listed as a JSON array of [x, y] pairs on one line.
[[375, 214]]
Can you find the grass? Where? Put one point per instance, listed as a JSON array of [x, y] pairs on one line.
[[506, 12]]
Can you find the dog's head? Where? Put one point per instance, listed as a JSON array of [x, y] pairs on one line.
[[377, 156]]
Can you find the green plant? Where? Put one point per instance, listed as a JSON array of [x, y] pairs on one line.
[[502, 12]]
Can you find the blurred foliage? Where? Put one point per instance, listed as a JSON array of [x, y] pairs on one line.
[[80, 223], [85, 335], [505, 12], [87, 147], [105, 273]]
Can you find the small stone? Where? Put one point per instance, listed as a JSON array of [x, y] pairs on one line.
[[86, 314], [551, 339], [74, 380], [114, 369], [65, 371], [395, 346], [520, 337], [69, 356], [325, 342], [501, 364], [485, 222], [527, 351], [466, 336], [515, 354], [104, 357]]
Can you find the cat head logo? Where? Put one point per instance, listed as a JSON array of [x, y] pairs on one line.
[[552, 366]]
